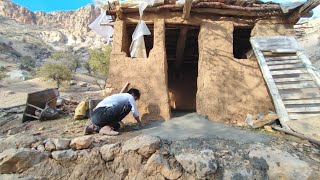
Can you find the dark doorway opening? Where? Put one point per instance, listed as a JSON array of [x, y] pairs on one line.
[[182, 56], [241, 41]]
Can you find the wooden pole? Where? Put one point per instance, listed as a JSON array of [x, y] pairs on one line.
[[125, 87], [181, 45], [296, 134], [186, 9]]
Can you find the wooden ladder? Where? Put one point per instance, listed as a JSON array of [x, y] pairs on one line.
[[292, 80]]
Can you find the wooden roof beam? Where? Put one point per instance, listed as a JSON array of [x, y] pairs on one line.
[[186, 9], [302, 10], [255, 11]]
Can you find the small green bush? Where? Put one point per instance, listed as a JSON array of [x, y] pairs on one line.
[[56, 71], [99, 60], [98, 63], [71, 60]]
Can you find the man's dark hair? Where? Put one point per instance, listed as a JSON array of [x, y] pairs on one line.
[[134, 91]]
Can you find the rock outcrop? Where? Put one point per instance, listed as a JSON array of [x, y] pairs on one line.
[[18, 160], [18, 141], [77, 20], [109, 151], [65, 155], [61, 143], [81, 142], [149, 157], [202, 164], [145, 145], [37, 34]]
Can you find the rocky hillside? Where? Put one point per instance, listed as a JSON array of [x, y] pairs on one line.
[[74, 21], [39, 34], [64, 30]]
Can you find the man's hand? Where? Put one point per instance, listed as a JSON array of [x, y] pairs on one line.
[[138, 120]]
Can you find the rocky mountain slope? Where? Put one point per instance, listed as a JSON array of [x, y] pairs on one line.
[[27, 32], [39, 34], [74, 21]]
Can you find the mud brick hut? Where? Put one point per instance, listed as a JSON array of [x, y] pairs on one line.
[[199, 56]]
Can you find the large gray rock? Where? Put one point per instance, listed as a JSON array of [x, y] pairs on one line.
[[61, 143], [65, 155], [82, 142], [158, 164], [144, 144], [49, 145], [41, 148], [18, 160], [18, 141], [282, 165], [109, 151], [15, 177], [201, 164]]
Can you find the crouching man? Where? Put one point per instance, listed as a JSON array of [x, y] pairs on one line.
[[108, 114]]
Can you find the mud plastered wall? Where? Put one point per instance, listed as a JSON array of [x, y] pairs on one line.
[[272, 28], [146, 74], [228, 88]]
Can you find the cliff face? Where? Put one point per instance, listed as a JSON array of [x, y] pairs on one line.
[[73, 21], [19, 13], [38, 34]]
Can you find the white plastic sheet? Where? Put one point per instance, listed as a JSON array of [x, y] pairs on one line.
[[136, 3], [103, 4], [137, 47], [104, 31]]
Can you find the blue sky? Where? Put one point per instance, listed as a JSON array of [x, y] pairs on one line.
[[60, 5], [52, 5]]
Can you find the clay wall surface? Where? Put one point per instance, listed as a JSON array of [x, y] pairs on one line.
[[272, 28], [147, 75], [228, 88]]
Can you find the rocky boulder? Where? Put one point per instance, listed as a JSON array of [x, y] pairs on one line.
[[41, 148], [65, 155], [199, 164], [61, 143], [109, 151], [144, 144], [18, 160], [18, 141], [15, 176], [282, 165], [158, 164], [82, 142], [49, 145]]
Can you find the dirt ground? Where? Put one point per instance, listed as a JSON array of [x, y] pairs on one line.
[[15, 93], [235, 147], [63, 127]]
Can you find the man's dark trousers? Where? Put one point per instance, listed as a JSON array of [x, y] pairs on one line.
[[110, 116]]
